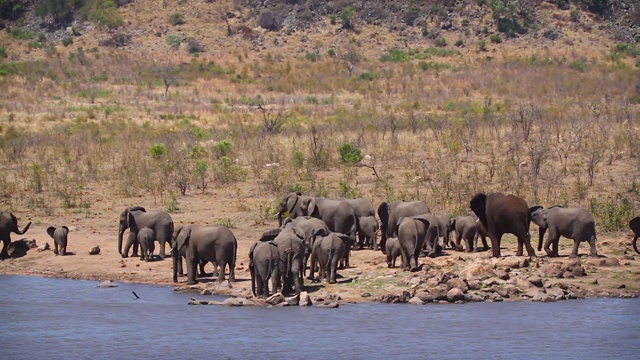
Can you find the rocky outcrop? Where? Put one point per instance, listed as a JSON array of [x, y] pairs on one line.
[[107, 284], [477, 271]]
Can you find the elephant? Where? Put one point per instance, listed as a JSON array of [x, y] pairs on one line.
[[213, 243], [438, 227], [501, 214], [309, 225], [290, 204], [634, 224], [466, 227], [412, 232], [393, 251], [60, 239], [337, 214], [289, 241], [264, 264], [9, 224], [135, 218], [327, 251], [571, 222], [368, 228], [146, 237], [390, 213]]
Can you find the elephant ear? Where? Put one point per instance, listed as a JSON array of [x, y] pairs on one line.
[[538, 215], [634, 225], [292, 201], [311, 206], [137, 208], [299, 232], [51, 230], [184, 235], [423, 219], [269, 235], [383, 214], [478, 206], [66, 228], [347, 240], [452, 223]]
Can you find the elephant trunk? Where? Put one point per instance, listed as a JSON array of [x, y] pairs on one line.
[[280, 218], [541, 232], [120, 234], [175, 257], [594, 249], [24, 230]]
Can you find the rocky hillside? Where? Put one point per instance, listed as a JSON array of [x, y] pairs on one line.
[[214, 27]]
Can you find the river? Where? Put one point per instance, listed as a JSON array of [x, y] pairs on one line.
[[43, 318]]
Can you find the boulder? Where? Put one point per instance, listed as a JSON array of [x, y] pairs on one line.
[[293, 300], [474, 284], [425, 296], [458, 283], [506, 290], [454, 295], [415, 301], [414, 282], [275, 299], [521, 283], [556, 293], [329, 304], [225, 285], [395, 298], [206, 292], [509, 262], [603, 262], [535, 281], [94, 250], [552, 270], [44, 247], [439, 293], [503, 274], [492, 281], [305, 299], [107, 284], [233, 302], [477, 271], [474, 297]]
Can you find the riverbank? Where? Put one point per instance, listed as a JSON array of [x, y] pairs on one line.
[[453, 277]]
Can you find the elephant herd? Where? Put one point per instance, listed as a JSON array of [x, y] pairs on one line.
[[317, 234]]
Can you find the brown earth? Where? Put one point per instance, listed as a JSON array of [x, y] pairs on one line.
[[369, 279]]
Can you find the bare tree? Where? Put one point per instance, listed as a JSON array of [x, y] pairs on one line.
[[350, 57], [169, 73]]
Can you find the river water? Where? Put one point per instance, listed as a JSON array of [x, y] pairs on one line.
[[44, 318]]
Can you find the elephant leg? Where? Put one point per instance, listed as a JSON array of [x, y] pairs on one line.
[[221, 266], [485, 246], [527, 243], [333, 267], [470, 245], [260, 284], [495, 244], [5, 248], [296, 273], [192, 264], [232, 271], [519, 252], [131, 240], [574, 252], [275, 275], [389, 259], [592, 244], [552, 239], [161, 243]]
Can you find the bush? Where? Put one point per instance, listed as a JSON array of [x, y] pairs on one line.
[[58, 10], [3, 52], [194, 47], [103, 12], [226, 172], [482, 45], [22, 33], [394, 55], [174, 41], [441, 42], [331, 52], [270, 20], [495, 39], [117, 40], [612, 215], [222, 148], [312, 56], [350, 154], [176, 18], [459, 43], [67, 41], [347, 18], [367, 75], [157, 151]]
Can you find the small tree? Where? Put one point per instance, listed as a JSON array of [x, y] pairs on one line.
[[350, 58], [350, 154], [347, 18], [200, 170]]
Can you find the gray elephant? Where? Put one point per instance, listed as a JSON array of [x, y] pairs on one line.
[[135, 218], [393, 251], [501, 214], [290, 205], [289, 241], [327, 251], [146, 238], [8, 225], [412, 232], [264, 265], [213, 243], [438, 228], [368, 229], [390, 213], [634, 225], [466, 227], [573, 223], [309, 225], [337, 214], [60, 239]]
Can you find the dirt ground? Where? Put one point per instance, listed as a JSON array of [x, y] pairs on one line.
[[617, 273]]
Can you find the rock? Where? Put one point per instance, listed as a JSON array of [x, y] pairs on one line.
[[506, 290], [535, 281], [107, 284], [198, 302], [275, 299], [329, 304], [395, 298], [44, 247], [604, 262], [492, 281], [238, 302], [424, 296], [556, 293], [510, 262], [628, 257], [458, 283], [503, 275], [293, 300], [439, 293], [553, 270], [477, 271], [622, 286], [521, 283], [415, 301], [282, 304], [206, 292], [414, 282], [474, 297], [305, 299], [595, 281], [94, 250], [366, 294], [225, 285], [494, 297], [455, 294], [474, 284]]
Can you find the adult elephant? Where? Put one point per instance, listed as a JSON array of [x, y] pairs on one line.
[[634, 224], [310, 226], [367, 232], [213, 243], [390, 213], [289, 241], [264, 265], [328, 249], [8, 225], [337, 214], [290, 205], [412, 232], [438, 228], [573, 223], [135, 218], [465, 228], [501, 214]]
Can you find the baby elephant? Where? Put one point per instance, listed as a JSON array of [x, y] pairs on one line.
[[393, 251], [59, 236], [146, 237]]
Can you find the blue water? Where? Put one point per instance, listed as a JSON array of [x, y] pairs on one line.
[[44, 318]]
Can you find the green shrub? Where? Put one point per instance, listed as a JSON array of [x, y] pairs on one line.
[[495, 39], [298, 159], [459, 42], [577, 65], [226, 172], [333, 19], [103, 12], [331, 52], [22, 33], [194, 47], [612, 215], [367, 75], [222, 148], [59, 10], [350, 154], [482, 45], [176, 18], [441, 42], [174, 40], [394, 55], [312, 56], [67, 41], [3, 52], [157, 151], [347, 17]]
